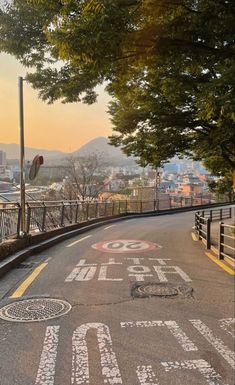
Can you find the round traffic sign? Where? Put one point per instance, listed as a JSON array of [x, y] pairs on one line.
[[125, 246]]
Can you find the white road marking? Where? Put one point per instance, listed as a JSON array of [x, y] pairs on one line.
[[181, 337], [79, 240], [202, 366], [111, 262], [46, 369], [82, 272], [109, 227], [48, 259], [103, 275], [146, 376], [139, 272], [217, 343], [228, 324], [161, 261], [135, 261], [172, 326], [163, 270], [80, 359]]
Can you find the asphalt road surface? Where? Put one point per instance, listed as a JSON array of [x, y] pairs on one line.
[[109, 328]]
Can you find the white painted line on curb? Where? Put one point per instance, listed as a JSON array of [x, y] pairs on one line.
[[217, 343], [79, 240], [46, 369], [109, 227]]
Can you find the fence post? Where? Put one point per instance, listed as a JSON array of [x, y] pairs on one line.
[[44, 217], [201, 199], [170, 202], [211, 215], [208, 233], [154, 205], [196, 221], [28, 218], [221, 240], [230, 212], [87, 211], [181, 201], [76, 213], [19, 220], [126, 206], [158, 205], [221, 214], [191, 201], [200, 227], [62, 215], [119, 207], [141, 206]]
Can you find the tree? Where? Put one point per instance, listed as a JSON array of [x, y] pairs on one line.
[[168, 65], [85, 178]]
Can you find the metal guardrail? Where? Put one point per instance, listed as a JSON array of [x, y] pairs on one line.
[[226, 234], [226, 240], [49, 215]]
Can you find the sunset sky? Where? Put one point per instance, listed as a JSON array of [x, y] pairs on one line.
[[60, 126]]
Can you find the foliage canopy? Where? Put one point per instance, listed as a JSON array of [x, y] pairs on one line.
[[168, 65]]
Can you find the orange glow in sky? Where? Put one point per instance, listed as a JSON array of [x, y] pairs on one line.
[[64, 127]]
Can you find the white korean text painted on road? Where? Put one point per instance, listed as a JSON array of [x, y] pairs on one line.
[[146, 376], [206, 370], [82, 272], [80, 362], [221, 348], [46, 369], [125, 246], [107, 271], [172, 326], [228, 324], [163, 270]]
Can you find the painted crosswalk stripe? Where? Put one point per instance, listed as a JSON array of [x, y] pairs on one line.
[[79, 240], [217, 343], [228, 324], [172, 326], [46, 369]]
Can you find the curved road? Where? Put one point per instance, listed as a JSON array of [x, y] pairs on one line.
[[113, 334]]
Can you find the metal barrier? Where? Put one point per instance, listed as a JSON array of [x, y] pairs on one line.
[[226, 240], [49, 215], [226, 236]]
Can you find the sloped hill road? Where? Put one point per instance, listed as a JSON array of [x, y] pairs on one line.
[[134, 303]]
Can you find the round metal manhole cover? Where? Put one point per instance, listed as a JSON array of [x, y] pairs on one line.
[[35, 309], [153, 289], [149, 290]]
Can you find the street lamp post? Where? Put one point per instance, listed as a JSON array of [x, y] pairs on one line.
[[22, 156]]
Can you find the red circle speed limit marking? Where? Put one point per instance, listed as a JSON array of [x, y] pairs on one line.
[[125, 246]]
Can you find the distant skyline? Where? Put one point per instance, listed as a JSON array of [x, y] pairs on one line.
[[64, 127]]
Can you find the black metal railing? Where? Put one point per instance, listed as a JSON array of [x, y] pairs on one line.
[[225, 238], [49, 215]]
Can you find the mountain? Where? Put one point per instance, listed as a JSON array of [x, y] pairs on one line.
[[12, 151], [110, 154], [113, 155]]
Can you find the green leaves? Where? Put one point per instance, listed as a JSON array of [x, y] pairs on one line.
[[169, 67]]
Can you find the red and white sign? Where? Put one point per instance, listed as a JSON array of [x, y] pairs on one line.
[[125, 246]]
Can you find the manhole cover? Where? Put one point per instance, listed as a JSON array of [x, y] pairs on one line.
[[159, 290], [35, 309]]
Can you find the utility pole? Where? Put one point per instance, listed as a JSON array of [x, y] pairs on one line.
[[22, 155]]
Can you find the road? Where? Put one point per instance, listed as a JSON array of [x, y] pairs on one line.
[[110, 333]]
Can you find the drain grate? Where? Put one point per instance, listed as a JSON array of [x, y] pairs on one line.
[[34, 309], [153, 289]]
